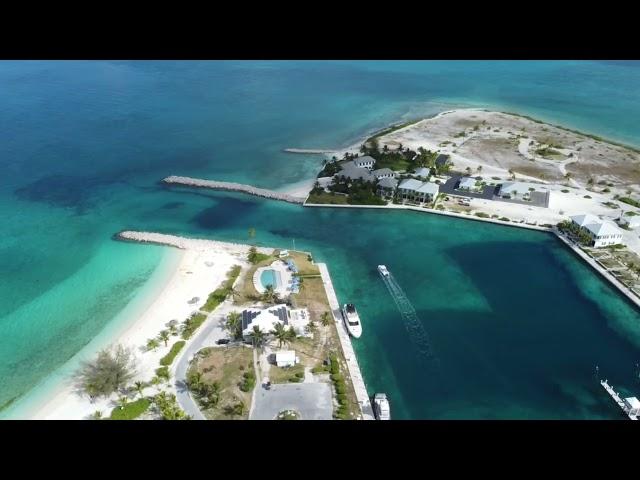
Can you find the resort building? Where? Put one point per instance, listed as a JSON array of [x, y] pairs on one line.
[[387, 187], [417, 191], [364, 162], [267, 318], [519, 190], [383, 173], [469, 184], [422, 172], [602, 233], [351, 172]]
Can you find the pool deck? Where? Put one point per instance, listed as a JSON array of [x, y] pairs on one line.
[[347, 347], [284, 276]]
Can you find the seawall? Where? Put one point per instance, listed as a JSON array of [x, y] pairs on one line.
[[232, 187]]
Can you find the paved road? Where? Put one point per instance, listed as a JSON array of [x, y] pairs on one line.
[[311, 400], [206, 336]]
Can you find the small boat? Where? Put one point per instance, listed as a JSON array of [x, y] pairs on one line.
[[352, 320], [383, 270], [381, 407]]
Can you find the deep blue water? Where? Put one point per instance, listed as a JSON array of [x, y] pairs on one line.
[[517, 321]]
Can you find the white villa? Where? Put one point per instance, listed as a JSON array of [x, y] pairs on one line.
[[520, 190], [267, 318], [469, 184], [412, 189], [383, 173], [602, 233], [629, 221], [364, 162]]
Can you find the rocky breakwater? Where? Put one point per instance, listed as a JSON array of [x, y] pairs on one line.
[[233, 187]]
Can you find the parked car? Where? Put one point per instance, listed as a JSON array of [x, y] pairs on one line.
[[223, 341]]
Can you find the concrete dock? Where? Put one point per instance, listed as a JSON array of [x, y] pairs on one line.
[[347, 347], [232, 187]]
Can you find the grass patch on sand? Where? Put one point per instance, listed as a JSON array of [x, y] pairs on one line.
[[327, 198], [227, 366], [131, 410], [192, 324], [286, 374], [220, 294], [169, 357]]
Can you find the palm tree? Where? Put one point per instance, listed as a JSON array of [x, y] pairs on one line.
[[164, 336], [280, 333], [258, 337], [468, 170], [291, 335], [479, 168], [140, 386], [123, 401], [173, 330], [234, 324], [235, 294], [270, 295], [325, 319], [311, 326], [152, 344], [194, 381]]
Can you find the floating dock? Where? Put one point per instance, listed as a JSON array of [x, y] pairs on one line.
[[630, 406], [232, 187]]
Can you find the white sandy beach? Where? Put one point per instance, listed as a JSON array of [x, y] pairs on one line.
[[203, 266]]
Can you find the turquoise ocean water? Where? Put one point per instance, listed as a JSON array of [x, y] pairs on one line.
[[517, 323]]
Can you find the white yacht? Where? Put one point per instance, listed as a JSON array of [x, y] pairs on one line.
[[352, 320], [383, 270], [381, 407]]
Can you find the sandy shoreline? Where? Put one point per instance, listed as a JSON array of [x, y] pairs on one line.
[[200, 270]]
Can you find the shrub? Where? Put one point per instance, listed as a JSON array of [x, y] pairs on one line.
[[630, 201], [340, 388], [295, 379], [564, 190], [191, 324], [299, 374], [336, 377], [220, 294], [482, 215], [112, 370], [505, 219], [587, 196], [130, 410], [606, 190], [163, 372], [248, 380], [169, 357]]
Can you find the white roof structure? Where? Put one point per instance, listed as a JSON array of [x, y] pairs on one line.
[[430, 188], [583, 220], [265, 319], [286, 356], [467, 182], [519, 188], [364, 161], [423, 172], [410, 184], [633, 402], [603, 228]]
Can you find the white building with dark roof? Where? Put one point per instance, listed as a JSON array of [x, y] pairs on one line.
[[602, 233]]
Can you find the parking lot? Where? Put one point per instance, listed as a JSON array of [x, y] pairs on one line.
[[311, 400]]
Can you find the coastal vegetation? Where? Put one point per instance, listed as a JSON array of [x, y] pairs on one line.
[[630, 201], [130, 410], [358, 192], [222, 380], [571, 229], [255, 257], [191, 324], [220, 294], [330, 198], [169, 357], [110, 371], [168, 407]]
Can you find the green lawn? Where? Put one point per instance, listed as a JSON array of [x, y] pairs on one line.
[[175, 349], [327, 198], [220, 294], [131, 410]]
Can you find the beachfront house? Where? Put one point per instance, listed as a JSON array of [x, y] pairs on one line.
[[383, 173], [285, 358], [387, 187], [351, 172], [519, 190], [602, 233], [267, 318], [417, 191], [469, 184], [364, 162]]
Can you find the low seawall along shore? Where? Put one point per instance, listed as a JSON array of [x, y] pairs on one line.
[[233, 187]]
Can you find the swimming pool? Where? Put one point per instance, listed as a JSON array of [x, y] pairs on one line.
[[270, 277]]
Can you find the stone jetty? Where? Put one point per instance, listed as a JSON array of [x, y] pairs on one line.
[[187, 243], [308, 150], [233, 187]]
